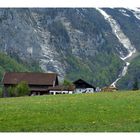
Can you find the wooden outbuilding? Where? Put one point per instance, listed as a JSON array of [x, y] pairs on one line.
[[82, 86], [37, 82], [109, 89]]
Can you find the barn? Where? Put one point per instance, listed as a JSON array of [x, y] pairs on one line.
[[37, 82]]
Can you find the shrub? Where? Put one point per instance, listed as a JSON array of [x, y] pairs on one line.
[[11, 91], [67, 83], [135, 84], [0, 92], [22, 89]]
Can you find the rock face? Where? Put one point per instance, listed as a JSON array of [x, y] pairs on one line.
[[75, 43], [124, 40]]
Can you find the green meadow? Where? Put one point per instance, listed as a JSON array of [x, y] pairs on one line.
[[101, 112]]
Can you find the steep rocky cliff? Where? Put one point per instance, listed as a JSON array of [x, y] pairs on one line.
[[75, 43]]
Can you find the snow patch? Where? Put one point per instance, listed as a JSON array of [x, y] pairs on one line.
[[136, 12], [30, 50], [124, 12], [106, 16], [123, 39]]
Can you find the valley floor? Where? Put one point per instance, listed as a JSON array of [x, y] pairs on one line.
[[101, 112]]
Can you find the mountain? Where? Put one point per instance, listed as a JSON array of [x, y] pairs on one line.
[[99, 45]]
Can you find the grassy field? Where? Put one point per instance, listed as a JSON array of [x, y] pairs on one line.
[[104, 112]]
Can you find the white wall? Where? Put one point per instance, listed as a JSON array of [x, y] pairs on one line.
[[78, 90], [60, 92], [84, 90]]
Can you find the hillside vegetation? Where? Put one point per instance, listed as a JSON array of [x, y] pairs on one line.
[[104, 112], [8, 64], [132, 74]]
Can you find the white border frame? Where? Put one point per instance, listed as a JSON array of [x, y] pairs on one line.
[[69, 3]]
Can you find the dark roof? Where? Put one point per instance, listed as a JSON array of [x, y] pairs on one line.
[[82, 84], [32, 78], [38, 89], [62, 88]]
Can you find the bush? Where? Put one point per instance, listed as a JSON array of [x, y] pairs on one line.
[[0, 92], [22, 89], [11, 91], [67, 83], [135, 84]]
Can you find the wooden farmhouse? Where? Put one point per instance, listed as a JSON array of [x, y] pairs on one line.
[[37, 82], [83, 87]]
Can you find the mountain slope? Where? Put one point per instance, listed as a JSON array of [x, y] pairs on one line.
[[133, 73], [8, 64], [75, 43]]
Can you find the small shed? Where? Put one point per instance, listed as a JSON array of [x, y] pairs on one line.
[[109, 89]]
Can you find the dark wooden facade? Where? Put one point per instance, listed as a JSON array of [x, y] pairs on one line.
[[82, 84], [37, 82]]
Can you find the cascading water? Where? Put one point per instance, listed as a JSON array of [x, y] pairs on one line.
[[124, 40]]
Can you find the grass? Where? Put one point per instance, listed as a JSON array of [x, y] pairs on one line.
[[104, 112]]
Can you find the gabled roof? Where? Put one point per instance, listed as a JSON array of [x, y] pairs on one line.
[[32, 78], [82, 84]]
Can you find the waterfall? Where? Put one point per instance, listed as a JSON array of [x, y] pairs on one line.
[[124, 40]]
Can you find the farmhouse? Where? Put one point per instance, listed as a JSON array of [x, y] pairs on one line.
[[83, 87], [38, 82]]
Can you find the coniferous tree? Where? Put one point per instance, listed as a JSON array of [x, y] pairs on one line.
[[135, 84]]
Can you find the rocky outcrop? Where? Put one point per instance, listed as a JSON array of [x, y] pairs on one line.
[[76, 43]]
